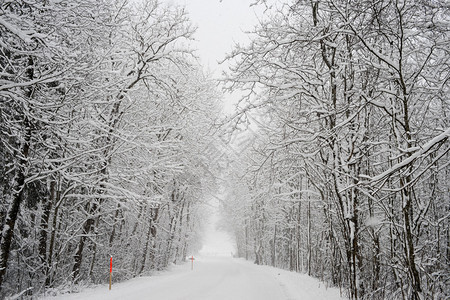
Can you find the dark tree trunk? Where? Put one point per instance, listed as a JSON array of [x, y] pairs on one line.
[[113, 232], [51, 245], [151, 235], [17, 188], [44, 224], [87, 227]]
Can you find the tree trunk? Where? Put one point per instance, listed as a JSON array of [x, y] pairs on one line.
[[17, 188], [246, 239], [409, 245], [180, 233], [51, 245], [43, 235], [87, 227], [274, 246], [44, 224], [151, 235], [113, 232], [309, 250]]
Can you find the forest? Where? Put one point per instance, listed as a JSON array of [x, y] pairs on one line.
[[104, 118], [335, 162], [346, 177]]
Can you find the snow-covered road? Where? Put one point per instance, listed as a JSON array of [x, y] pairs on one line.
[[214, 279]]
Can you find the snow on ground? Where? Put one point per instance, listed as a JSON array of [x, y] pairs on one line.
[[216, 276], [213, 278]]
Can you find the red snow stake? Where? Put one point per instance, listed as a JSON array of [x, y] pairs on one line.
[[110, 272], [192, 262]]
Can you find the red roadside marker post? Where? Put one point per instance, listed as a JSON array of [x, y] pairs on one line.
[[110, 272], [192, 262]]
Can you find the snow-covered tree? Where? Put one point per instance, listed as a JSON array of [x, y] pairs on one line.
[[352, 100], [104, 114]]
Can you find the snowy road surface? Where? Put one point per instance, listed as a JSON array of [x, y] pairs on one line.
[[217, 278]]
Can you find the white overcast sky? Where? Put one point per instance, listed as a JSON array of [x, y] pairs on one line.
[[220, 25]]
